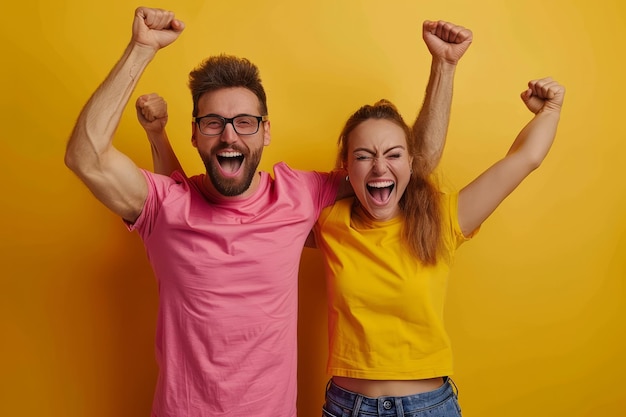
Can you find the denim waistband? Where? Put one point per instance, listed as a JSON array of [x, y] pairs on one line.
[[389, 405]]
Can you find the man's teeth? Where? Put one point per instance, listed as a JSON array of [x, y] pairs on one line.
[[230, 154], [380, 184]]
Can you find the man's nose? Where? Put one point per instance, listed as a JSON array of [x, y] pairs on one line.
[[229, 135]]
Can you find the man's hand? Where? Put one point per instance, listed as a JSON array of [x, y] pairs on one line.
[[544, 95], [155, 28], [152, 112], [446, 40]]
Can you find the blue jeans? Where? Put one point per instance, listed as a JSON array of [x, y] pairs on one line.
[[441, 402]]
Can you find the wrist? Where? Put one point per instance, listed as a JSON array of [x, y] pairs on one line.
[[140, 54], [443, 65]]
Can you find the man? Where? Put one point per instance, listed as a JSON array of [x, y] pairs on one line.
[[225, 246]]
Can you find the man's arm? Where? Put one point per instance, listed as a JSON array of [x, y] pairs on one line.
[[110, 175], [152, 115], [447, 43], [483, 195]]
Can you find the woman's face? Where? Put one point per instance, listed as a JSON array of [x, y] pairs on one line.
[[379, 166]]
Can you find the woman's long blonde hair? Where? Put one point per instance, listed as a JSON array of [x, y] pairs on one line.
[[420, 204]]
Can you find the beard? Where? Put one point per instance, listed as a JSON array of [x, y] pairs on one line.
[[231, 187]]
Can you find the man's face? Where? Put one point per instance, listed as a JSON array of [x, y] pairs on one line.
[[231, 160]]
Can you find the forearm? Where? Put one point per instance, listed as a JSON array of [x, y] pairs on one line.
[[163, 156], [431, 126], [96, 124], [534, 141]]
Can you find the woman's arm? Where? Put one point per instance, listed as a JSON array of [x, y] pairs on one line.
[[480, 198]]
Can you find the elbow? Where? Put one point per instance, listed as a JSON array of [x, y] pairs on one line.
[[533, 164], [530, 160], [534, 161], [72, 151], [81, 159], [73, 159], [70, 159]]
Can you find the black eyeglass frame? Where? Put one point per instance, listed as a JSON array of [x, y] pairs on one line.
[[231, 120]]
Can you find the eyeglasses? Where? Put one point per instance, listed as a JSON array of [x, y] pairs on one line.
[[214, 124]]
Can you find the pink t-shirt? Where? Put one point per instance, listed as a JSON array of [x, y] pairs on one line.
[[227, 276]]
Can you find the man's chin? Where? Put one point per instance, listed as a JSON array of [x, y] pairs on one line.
[[230, 187], [232, 191]]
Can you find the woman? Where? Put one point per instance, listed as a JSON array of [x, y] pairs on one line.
[[387, 255]]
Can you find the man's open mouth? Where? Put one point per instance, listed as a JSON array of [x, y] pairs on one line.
[[230, 162]]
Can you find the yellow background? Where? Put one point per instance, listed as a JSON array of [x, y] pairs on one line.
[[536, 306]]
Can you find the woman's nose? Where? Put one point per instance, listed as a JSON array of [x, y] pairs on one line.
[[380, 165]]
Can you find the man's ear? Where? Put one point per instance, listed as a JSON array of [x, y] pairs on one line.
[[267, 137], [194, 142]]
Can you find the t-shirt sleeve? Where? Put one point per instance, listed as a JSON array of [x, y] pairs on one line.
[[158, 188], [321, 186], [450, 203], [328, 187]]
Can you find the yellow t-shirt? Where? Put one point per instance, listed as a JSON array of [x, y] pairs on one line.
[[385, 308]]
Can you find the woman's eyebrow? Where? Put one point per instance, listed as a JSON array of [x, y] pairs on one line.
[[374, 152]]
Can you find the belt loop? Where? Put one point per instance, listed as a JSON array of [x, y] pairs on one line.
[[454, 387], [357, 405], [399, 408]]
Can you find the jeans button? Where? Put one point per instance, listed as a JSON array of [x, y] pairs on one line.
[[387, 405]]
